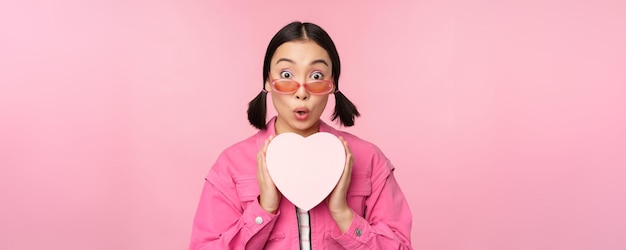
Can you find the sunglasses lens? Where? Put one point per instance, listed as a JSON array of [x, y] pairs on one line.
[[288, 86], [319, 87], [285, 86]]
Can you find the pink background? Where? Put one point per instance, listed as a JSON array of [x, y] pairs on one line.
[[505, 119]]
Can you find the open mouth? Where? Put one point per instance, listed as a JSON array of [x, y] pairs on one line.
[[301, 113]]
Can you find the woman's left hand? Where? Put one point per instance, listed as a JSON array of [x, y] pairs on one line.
[[337, 200]]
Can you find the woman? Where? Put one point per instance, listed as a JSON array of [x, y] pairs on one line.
[[240, 207]]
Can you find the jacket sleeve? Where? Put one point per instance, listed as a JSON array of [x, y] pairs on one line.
[[387, 222], [222, 222]]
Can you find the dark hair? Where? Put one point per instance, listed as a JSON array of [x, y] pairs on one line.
[[344, 109]]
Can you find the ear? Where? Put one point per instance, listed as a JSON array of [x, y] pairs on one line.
[[267, 86]]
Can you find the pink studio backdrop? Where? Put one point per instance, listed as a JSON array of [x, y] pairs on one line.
[[505, 120]]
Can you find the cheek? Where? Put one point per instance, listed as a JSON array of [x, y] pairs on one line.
[[279, 101], [321, 102]]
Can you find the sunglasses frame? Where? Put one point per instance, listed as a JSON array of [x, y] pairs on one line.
[[306, 87]]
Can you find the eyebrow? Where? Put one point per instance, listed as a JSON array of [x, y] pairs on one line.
[[322, 61]]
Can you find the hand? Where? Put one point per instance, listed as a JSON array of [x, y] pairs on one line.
[[337, 200], [269, 199]]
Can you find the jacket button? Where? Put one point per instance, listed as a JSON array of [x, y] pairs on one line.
[[358, 232], [258, 220]]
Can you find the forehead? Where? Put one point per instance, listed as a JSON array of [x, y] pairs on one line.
[[301, 52]]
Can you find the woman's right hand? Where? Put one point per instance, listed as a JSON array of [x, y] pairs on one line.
[[270, 196]]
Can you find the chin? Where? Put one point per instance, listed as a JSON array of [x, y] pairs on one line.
[[302, 125]]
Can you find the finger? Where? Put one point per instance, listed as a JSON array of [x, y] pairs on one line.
[[347, 151], [345, 144], [347, 171], [265, 144], [263, 165], [350, 163]]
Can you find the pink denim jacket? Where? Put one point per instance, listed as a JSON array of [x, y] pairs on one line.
[[229, 215]]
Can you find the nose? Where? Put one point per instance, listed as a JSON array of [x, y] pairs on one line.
[[302, 93]]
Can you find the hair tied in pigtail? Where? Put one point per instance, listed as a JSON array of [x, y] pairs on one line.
[[344, 110], [257, 110]]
